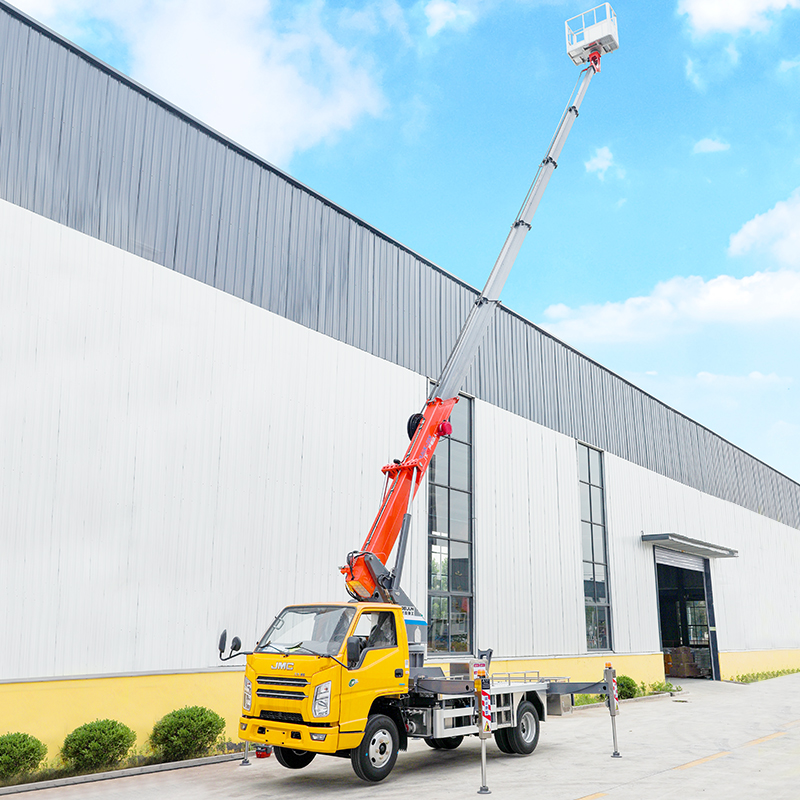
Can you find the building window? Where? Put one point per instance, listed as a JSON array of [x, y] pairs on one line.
[[595, 549], [450, 538]]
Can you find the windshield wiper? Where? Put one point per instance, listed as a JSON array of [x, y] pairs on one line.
[[262, 647], [300, 646]]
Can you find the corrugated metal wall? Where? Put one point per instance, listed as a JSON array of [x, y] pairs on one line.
[[172, 460], [86, 147]]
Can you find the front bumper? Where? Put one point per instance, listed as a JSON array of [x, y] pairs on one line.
[[296, 737]]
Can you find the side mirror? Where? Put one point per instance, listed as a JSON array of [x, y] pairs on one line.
[[353, 651], [236, 646]]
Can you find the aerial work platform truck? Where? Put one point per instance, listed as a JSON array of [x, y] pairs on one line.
[[348, 679]]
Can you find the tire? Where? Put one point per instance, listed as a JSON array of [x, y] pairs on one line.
[[524, 736], [431, 742], [374, 758], [450, 742], [501, 740], [293, 759]]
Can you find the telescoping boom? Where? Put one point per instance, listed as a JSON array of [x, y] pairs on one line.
[[348, 679], [366, 574]]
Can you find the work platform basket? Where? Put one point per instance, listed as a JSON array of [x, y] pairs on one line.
[[594, 31]]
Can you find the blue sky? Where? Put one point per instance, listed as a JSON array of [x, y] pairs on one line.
[[667, 246]]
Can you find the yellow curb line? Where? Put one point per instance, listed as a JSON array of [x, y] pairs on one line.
[[765, 738], [703, 760]]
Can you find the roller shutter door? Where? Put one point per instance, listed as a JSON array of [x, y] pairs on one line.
[[674, 558]]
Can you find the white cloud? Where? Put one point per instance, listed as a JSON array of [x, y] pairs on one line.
[[786, 66], [777, 232], [693, 76], [373, 18], [274, 88], [732, 16], [442, 14], [710, 146], [753, 379], [601, 162], [680, 304]]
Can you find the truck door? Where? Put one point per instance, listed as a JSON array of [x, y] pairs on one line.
[[380, 670]]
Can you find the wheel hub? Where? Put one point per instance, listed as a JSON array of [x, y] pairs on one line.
[[526, 727], [380, 748]]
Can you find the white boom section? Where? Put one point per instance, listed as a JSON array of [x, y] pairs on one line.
[[471, 336]]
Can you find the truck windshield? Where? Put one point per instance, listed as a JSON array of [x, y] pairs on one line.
[[318, 628]]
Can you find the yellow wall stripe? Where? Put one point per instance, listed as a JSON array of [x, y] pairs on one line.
[[49, 710], [733, 664]]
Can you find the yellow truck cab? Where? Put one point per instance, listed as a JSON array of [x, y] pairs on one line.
[[334, 678], [319, 680]]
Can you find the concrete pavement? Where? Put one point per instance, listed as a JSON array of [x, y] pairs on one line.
[[716, 740]]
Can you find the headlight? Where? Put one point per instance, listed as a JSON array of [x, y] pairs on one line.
[[321, 706], [247, 701]]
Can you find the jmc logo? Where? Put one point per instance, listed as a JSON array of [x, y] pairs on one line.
[[283, 665]]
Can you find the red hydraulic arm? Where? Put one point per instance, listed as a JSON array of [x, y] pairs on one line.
[[403, 480]]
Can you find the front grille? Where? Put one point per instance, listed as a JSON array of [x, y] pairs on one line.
[[275, 680], [282, 716], [278, 694], [291, 717]]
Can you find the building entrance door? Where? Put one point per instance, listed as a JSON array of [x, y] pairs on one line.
[[686, 615]]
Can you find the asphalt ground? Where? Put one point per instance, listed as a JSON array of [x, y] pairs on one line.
[[714, 740]]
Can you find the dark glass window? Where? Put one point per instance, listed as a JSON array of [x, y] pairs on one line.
[[450, 538], [595, 551]]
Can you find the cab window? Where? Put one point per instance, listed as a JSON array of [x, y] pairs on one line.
[[378, 630]]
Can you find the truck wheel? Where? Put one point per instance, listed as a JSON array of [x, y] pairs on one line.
[[447, 743], [524, 736], [374, 758], [293, 759], [450, 742], [501, 739]]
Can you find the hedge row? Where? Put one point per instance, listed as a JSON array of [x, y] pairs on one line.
[[186, 733]]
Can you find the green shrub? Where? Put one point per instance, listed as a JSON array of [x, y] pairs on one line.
[[588, 699], [97, 745], [661, 686], [752, 677], [20, 752], [626, 687], [186, 733]]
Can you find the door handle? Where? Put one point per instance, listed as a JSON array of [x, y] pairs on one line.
[[398, 673]]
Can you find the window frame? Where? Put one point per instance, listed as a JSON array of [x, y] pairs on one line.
[[594, 531], [442, 589]]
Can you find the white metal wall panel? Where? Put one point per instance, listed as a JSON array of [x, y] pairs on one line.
[[172, 460], [756, 596], [529, 598]]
